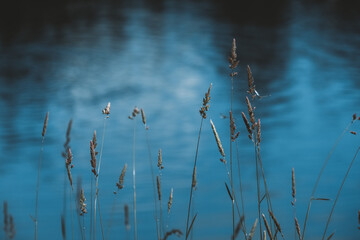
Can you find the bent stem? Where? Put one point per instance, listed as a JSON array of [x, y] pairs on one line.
[[321, 172], [191, 188], [338, 194]]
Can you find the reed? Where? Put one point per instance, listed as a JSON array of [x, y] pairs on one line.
[[267, 227], [252, 231], [106, 112], [339, 191], [143, 117], [69, 166], [132, 117], [338, 140], [204, 108], [38, 173]]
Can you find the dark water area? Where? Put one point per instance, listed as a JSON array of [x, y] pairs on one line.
[[72, 57]]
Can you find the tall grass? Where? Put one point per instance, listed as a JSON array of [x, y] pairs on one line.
[[38, 174]]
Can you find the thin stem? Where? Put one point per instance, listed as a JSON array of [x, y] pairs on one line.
[[71, 211], [231, 172], [38, 186], [241, 191], [338, 194], [91, 205], [321, 172], [98, 174], [268, 200], [153, 183], [258, 189], [191, 188], [101, 224], [134, 184]]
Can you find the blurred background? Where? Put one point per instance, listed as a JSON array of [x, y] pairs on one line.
[[71, 57]]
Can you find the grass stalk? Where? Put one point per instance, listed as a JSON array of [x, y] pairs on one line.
[[322, 170], [191, 189], [134, 179], [153, 182], [38, 174], [338, 194], [97, 179]]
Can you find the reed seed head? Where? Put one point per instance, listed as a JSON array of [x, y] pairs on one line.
[[63, 227], [353, 132], [170, 200], [258, 136], [93, 157], [45, 124], [134, 113], [66, 144], [126, 213], [297, 226], [233, 128], [106, 110], [82, 203], [250, 82], [354, 117], [143, 116], [120, 184], [247, 124], [331, 235], [158, 187], [68, 165], [293, 184], [221, 149], [275, 221], [233, 57], [194, 182], [206, 100], [159, 164], [238, 227], [252, 231], [6, 216], [251, 113], [267, 227]]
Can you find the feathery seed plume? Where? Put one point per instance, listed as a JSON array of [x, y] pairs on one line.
[[297, 228], [126, 213], [267, 227], [258, 136], [68, 166], [233, 128], [251, 113], [106, 110], [194, 182], [158, 187], [247, 124], [293, 185], [221, 150], [82, 202], [251, 82], [143, 116], [159, 164], [205, 106], [252, 231], [120, 184], [45, 124], [170, 200]]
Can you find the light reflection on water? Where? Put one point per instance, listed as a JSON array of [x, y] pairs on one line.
[[163, 58]]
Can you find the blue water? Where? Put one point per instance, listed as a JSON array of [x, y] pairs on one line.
[[72, 58]]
